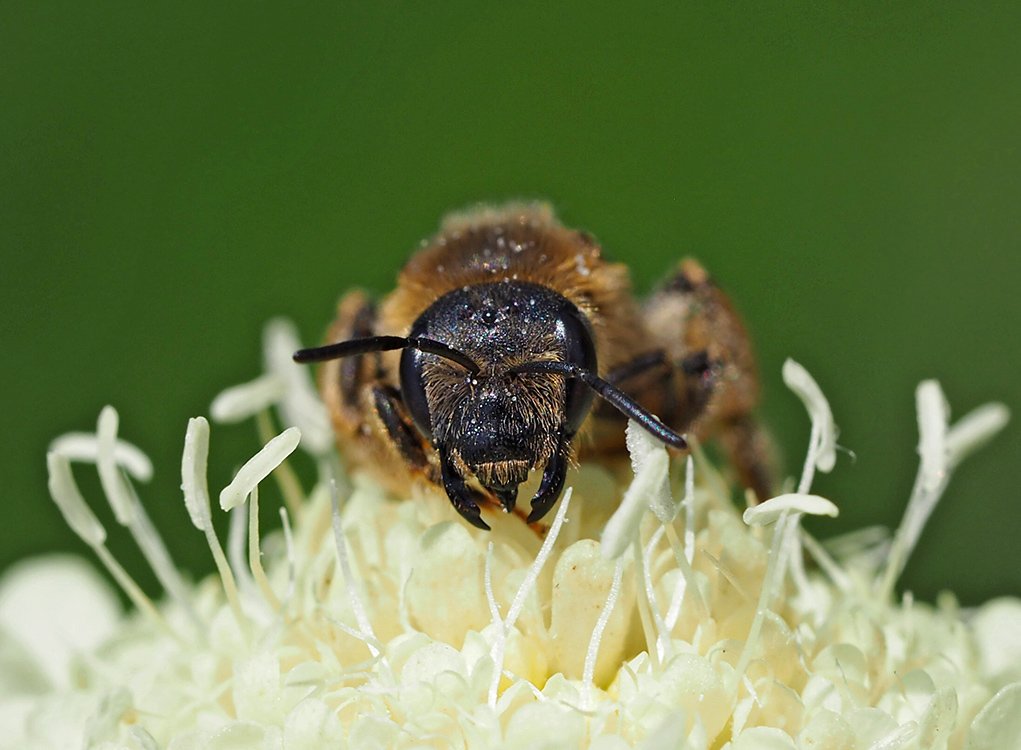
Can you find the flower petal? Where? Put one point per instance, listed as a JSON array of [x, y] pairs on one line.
[[998, 725], [57, 607]]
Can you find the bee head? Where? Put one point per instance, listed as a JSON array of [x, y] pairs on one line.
[[497, 424]]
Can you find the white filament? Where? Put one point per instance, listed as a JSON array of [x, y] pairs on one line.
[[65, 493], [300, 405], [771, 510], [259, 466], [357, 606], [113, 483], [84, 447], [497, 651], [824, 445], [193, 473], [246, 400], [940, 448], [623, 524], [589, 670]]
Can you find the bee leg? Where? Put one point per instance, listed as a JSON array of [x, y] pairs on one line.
[[552, 483], [464, 499], [699, 376], [352, 370], [369, 416], [648, 379], [398, 425], [753, 454], [715, 385], [342, 382]]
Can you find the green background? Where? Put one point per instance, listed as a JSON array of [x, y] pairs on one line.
[[174, 175]]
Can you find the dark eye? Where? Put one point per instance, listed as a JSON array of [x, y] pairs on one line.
[[413, 390], [578, 350]]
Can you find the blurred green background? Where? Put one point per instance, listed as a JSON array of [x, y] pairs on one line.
[[174, 175]]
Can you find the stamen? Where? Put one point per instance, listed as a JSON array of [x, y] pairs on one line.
[[130, 513], [933, 416], [771, 585], [83, 522], [237, 555], [84, 447], [642, 447], [624, 523], [687, 572], [288, 482], [155, 551], [822, 448], [688, 503], [772, 510], [518, 603], [787, 513], [357, 607], [826, 563], [689, 508], [973, 430], [196, 501], [374, 646], [589, 670], [110, 478], [487, 581], [246, 400], [255, 553], [292, 565], [258, 467], [64, 491], [652, 625], [497, 621], [540, 560], [300, 405], [929, 482], [941, 448], [650, 547]]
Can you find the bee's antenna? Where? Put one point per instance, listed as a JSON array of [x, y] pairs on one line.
[[385, 344], [615, 397]]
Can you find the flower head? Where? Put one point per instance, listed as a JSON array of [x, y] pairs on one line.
[[652, 614]]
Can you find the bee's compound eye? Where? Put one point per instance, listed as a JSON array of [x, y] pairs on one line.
[[579, 350], [413, 390]]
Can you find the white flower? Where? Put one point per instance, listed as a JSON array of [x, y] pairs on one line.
[[373, 622]]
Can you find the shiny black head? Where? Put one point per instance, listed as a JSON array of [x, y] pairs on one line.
[[498, 424]]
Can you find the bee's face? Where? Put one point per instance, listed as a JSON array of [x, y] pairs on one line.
[[496, 424]]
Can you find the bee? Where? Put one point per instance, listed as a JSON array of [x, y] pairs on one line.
[[483, 365]]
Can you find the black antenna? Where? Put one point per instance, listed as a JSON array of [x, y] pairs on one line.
[[385, 344], [615, 397]]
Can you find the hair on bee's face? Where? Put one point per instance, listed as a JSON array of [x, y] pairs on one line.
[[499, 423]]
